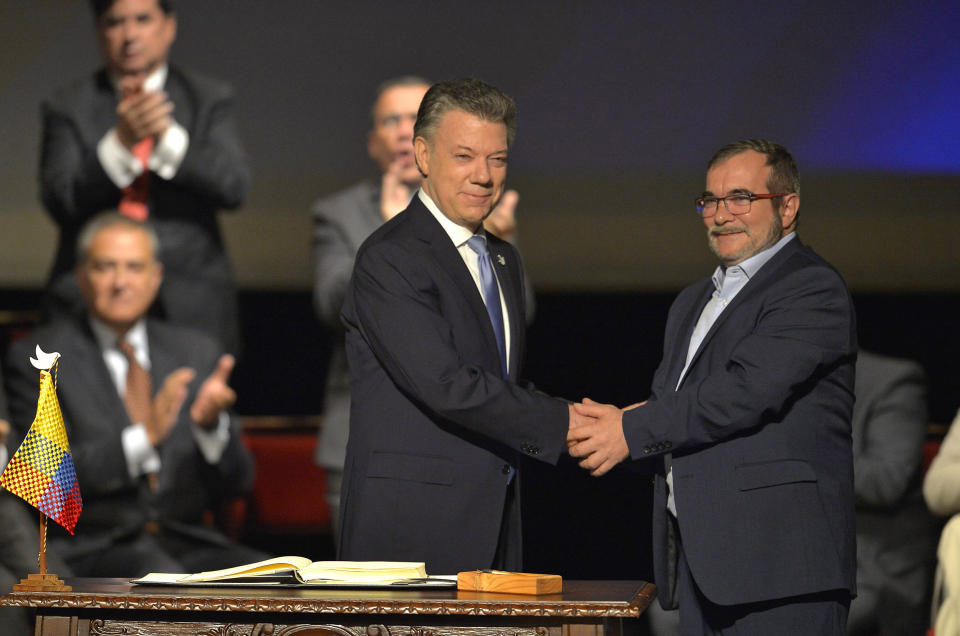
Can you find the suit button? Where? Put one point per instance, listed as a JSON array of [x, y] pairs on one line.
[[646, 450], [506, 469], [534, 450], [667, 445]]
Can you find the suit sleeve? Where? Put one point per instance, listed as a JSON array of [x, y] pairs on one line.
[[892, 446], [333, 260], [804, 329], [73, 184], [229, 477], [215, 168], [941, 484], [400, 316]]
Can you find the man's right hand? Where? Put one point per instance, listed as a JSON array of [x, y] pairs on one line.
[[394, 193], [166, 405], [141, 114]]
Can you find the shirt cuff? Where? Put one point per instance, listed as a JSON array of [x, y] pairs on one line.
[[3, 456], [142, 458], [169, 151], [213, 442], [118, 162]]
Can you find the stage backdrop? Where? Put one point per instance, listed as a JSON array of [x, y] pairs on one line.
[[621, 104]]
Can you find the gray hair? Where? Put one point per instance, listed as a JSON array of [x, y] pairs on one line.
[[110, 219], [784, 175], [394, 82], [468, 94]]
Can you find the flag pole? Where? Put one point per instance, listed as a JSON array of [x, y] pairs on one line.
[[42, 557], [44, 581], [48, 426]]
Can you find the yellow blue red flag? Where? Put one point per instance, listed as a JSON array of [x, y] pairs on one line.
[[41, 471]]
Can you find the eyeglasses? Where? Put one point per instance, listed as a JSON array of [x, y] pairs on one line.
[[735, 203]]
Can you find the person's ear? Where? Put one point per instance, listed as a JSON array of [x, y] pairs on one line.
[[421, 154]]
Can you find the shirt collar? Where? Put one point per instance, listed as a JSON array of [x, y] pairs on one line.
[[107, 338], [457, 233], [752, 265], [155, 81]]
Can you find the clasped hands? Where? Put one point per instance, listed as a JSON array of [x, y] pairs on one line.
[[596, 437], [141, 114]]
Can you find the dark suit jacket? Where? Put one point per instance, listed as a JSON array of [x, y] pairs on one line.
[[114, 505], [198, 288], [434, 429], [896, 536], [759, 433], [341, 223]]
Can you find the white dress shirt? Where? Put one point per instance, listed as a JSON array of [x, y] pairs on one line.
[[460, 235]]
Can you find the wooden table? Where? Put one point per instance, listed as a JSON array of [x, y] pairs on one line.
[[114, 606]]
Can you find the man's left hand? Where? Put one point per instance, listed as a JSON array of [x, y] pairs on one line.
[[600, 443], [214, 395]]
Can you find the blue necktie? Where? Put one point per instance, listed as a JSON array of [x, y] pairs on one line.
[[491, 296]]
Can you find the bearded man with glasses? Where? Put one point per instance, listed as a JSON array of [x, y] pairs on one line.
[[749, 419]]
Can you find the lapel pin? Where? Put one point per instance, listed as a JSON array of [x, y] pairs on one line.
[[501, 260]]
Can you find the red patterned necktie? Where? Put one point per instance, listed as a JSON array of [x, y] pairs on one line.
[[133, 203]]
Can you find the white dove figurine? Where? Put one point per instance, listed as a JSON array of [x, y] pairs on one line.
[[44, 361]]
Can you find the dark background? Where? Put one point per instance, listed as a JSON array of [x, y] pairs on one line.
[[621, 104]]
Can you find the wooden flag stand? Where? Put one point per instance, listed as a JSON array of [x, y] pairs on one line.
[[42, 582]]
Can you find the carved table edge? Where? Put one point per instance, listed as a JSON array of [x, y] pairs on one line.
[[585, 609]]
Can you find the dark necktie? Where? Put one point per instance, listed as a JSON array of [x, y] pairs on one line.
[[491, 296], [137, 397]]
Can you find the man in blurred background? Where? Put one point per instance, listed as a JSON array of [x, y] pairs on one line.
[[147, 410], [154, 141]]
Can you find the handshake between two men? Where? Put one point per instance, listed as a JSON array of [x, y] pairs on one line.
[[596, 435]]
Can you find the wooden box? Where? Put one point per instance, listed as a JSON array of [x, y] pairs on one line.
[[509, 582]]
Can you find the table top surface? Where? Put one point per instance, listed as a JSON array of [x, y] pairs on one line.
[[625, 599]]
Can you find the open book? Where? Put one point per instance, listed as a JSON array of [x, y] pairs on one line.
[[299, 570]]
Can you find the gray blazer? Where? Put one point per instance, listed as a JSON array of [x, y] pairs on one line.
[[896, 536], [341, 223]]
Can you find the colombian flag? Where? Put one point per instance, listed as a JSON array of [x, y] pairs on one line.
[[41, 471]]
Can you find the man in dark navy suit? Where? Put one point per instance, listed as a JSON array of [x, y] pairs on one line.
[[434, 321], [750, 412]]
